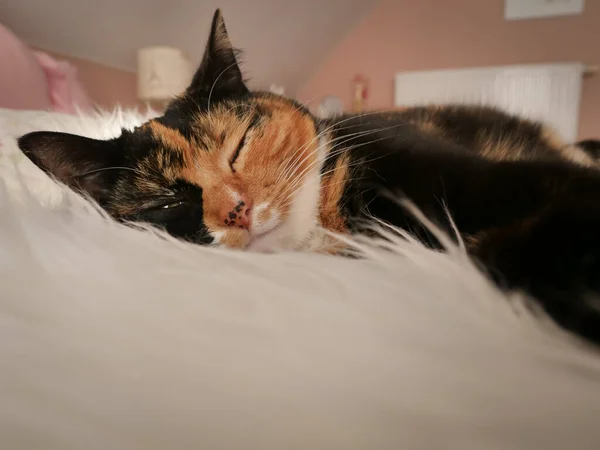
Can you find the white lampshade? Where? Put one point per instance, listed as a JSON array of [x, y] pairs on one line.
[[163, 73]]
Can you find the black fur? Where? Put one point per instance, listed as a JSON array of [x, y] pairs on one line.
[[111, 174], [591, 147], [79, 161], [534, 224], [217, 78]]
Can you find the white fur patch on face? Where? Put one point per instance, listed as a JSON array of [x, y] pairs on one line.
[[262, 227], [217, 236], [296, 229], [235, 195]]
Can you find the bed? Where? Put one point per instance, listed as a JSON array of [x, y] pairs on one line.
[[117, 338]]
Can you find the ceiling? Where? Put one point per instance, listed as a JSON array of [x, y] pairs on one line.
[[283, 40]]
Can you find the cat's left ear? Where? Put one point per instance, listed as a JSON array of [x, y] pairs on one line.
[[219, 75], [87, 165]]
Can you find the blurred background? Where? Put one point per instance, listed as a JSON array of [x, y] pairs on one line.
[[535, 57]]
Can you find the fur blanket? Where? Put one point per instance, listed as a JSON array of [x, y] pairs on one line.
[[115, 338]]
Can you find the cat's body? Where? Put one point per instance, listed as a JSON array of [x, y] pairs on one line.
[[481, 130], [526, 206], [475, 161], [253, 170]]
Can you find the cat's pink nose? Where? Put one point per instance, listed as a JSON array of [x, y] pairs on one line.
[[238, 216]]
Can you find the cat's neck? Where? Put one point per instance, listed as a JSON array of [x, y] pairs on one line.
[[369, 154], [352, 147], [335, 173]]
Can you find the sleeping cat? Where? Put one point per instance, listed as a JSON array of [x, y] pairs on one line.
[[254, 170]]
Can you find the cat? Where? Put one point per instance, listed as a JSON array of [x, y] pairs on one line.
[[253, 170]]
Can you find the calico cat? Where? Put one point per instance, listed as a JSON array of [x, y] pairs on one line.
[[254, 170]]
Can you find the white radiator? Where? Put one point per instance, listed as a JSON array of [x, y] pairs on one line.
[[546, 92]]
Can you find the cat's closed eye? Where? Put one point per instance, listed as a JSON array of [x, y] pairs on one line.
[[237, 152], [165, 213], [242, 143], [172, 205]]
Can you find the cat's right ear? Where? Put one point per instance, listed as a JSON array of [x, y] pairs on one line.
[[84, 164], [219, 75]]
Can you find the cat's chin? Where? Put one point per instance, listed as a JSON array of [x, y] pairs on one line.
[[275, 240], [283, 237]]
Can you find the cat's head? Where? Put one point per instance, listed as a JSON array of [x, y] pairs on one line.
[[223, 165]]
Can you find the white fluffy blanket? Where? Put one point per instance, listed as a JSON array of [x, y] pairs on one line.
[[112, 338]]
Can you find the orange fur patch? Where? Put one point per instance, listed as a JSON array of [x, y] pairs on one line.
[[499, 148], [170, 138], [551, 138], [569, 152], [429, 127], [332, 189]]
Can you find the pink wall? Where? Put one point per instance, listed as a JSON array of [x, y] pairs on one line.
[[432, 34], [106, 86]]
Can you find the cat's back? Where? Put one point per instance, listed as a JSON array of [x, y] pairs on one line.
[[481, 130]]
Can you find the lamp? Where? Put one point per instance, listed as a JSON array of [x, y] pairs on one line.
[[163, 73]]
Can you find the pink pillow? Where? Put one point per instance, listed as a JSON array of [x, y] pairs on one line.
[[66, 92], [23, 83], [35, 80]]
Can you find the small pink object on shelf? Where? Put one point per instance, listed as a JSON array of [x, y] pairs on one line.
[[360, 86]]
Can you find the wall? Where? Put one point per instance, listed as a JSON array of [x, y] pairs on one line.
[[106, 86], [432, 34]]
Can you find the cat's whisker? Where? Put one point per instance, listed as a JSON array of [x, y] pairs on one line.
[[296, 186], [338, 148], [298, 179], [241, 105], [305, 104], [290, 165], [90, 172], [316, 138], [352, 136], [307, 209], [322, 134], [324, 131]]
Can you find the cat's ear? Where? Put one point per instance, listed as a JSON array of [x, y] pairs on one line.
[[219, 75], [87, 165]]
